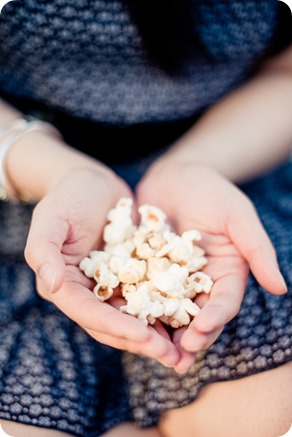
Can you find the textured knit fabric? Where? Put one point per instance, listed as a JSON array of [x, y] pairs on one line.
[[85, 59], [52, 374], [258, 338]]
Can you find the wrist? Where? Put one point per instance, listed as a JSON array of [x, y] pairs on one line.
[[199, 150], [164, 176], [12, 132], [82, 168], [168, 166], [37, 161], [169, 171]]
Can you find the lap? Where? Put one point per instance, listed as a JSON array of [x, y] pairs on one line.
[[54, 373], [125, 430], [257, 340], [14, 429], [256, 406]]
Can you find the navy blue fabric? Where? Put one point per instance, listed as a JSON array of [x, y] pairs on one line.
[[257, 339], [82, 65], [88, 58], [52, 374]]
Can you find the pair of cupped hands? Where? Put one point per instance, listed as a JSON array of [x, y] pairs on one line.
[[68, 222]]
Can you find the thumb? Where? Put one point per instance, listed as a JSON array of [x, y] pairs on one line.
[[43, 251], [249, 236]]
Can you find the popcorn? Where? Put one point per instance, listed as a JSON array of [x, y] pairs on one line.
[[200, 282], [121, 226], [179, 249], [133, 271], [158, 271], [171, 282], [171, 306], [157, 265], [102, 292], [106, 282], [139, 304], [144, 251], [90, 264], [181, 316], [152, 218]]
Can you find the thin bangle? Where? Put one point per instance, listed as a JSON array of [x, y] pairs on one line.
[[11, 134], [12, 125]]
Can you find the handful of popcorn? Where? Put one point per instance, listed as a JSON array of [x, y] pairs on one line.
[[158, 271]]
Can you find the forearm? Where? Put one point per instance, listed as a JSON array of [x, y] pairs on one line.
[[248, 132], [37, 161]]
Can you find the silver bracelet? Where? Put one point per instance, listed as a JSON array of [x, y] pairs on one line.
[[10, 126], [9, 134]]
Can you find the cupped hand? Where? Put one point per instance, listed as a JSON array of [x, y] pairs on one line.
[[66, 224], [197, 197]]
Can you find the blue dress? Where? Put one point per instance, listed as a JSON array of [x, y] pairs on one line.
[[88, 68]]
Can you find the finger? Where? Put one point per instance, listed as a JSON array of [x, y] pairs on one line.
[[186, 361], [223, 304], [77, 301], [187, 358], [156, 348], [161, 329], [75, 276], [43, 248], [41, 289], [118, 301], [80, 305], [249, 236], [195, 341]]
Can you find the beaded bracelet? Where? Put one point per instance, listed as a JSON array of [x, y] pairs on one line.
[[10, 133]]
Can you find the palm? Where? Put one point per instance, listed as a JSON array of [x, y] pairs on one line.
[[227, 268], [232, 236], [66, 231], [229, 272], [77, 301], [105, 323]]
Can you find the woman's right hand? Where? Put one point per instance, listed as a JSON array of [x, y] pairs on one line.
[[66, 224]]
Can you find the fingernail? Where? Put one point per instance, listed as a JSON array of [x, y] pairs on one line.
[[282, 282], [279, 276], [184, 365], [47, 276]]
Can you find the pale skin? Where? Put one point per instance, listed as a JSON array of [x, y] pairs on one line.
[[216, 152]]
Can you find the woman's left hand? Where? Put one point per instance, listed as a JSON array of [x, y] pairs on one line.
[[197, 197]]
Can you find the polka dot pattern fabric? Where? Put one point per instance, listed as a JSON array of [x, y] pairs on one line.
[[87, 58], [52, 374], [257, 339]]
